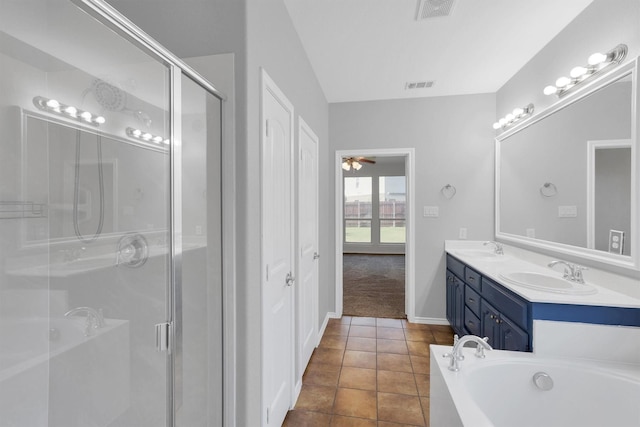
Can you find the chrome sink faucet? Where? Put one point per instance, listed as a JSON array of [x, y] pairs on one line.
[[95, 319], [499, 250], [455, 356], [572, 272]]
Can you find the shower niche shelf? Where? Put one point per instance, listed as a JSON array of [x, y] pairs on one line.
[[17, 209]]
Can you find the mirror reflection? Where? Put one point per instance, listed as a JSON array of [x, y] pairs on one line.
[[566, 178]]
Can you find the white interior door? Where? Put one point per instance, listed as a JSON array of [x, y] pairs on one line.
[[277, 252], [307, 290]]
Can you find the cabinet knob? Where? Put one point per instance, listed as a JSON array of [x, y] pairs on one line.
[[472, 300]]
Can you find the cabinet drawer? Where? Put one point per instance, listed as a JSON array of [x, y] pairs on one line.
[[471, 322], [473, 278], [511, 306], [455, 266], [472, 300]]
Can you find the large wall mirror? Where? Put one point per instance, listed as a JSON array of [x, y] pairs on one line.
[[567, 180]]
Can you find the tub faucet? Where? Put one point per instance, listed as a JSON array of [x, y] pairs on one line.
[[455, 356], [572, 272], [499, 250], [95, 319]]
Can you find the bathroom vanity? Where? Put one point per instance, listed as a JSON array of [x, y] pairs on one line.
[[501, 295]]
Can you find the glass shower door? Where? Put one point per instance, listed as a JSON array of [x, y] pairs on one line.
[[85, 222]]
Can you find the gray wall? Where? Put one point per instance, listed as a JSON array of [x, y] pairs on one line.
[[453, 143]]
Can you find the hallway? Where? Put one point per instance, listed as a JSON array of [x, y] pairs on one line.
[[369, 372]]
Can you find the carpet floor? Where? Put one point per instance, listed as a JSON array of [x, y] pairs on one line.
[[373, 286]]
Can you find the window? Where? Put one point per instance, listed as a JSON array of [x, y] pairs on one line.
[[357, 209], [392, 203], [374, 210]]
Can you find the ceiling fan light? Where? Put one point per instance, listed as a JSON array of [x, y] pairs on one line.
[[356, 165], [345, 165]]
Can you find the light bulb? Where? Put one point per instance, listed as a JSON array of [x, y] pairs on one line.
[[52, 103], [578, 72], [496, 126], [550, 90], [86, 115], [597, 58], [70, 110], [346, 166], [563, 81], [157, 139], [146, 136], [166, 141], [518, 112], [100, 120], [502, 121], [357, 166], [136, 132], [509, 117]]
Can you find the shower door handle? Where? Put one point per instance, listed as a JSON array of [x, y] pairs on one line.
[[163, 336], [316, 255]]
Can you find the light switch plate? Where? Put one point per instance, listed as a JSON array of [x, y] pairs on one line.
[[431, 212], [567, 211], [463, 233]]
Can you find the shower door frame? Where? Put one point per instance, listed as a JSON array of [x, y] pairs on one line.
[[110, 17]]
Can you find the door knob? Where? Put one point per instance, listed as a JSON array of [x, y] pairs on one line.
[[316, 255], [290, 279]]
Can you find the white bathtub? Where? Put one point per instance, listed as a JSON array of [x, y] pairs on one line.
[[52, 375], [499, 391]]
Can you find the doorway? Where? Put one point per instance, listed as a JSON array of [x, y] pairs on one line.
[[380, 155]]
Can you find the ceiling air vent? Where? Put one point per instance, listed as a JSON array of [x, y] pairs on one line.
[[418, 85], [433, 9]]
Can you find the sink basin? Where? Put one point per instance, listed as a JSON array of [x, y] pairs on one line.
[[479, 254], [548, 283]]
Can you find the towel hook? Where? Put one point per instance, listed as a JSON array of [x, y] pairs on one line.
[[448, 191]]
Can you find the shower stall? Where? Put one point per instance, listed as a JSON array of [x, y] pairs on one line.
[[110, 224]]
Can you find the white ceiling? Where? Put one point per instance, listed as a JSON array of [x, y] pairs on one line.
[[369, 49]]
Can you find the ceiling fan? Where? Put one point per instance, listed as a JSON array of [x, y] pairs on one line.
[[355, 162]]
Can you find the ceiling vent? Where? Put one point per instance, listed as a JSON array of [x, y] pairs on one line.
[[433, 9], [418, 85]]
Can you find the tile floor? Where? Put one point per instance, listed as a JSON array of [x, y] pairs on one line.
[[368, 372]]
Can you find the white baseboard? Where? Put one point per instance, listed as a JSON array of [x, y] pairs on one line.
[[429, 321]]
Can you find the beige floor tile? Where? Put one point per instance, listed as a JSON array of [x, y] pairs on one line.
[[362, 331], [390, 333], [423, 383], [420, 335], [337, 329], [340, 421], [297, 418], [363, 321], [400, 408], [322, 374], [361, 344], [418, 348], [329, 356], [333, 341], [420, 364], [394, 362], [389, 323], [392, 346], [355, 403], [359, 359], [363, 379], [397, 382], [316, 398]]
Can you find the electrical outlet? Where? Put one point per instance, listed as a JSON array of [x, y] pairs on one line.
[[198, 230], [463, 233], [616, 241]]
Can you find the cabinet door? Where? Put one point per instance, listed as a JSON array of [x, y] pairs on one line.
[[512, 337], [458, 319], [490, 324], [450, 297]]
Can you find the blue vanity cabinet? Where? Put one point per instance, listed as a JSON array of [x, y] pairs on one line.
[[455, 303], [477, 305]]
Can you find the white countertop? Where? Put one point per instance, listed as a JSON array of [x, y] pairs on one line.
[[611, 290]]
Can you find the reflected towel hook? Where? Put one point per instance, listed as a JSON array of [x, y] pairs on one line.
[[548, 189], [448, 191]]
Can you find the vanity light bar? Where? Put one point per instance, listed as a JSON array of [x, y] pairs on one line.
[[511, 118], [54, 106], [595, 64], [146, 136]]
